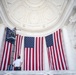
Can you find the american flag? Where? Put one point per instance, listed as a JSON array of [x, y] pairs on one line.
[[56, 52], [33, 53], [8, 46]]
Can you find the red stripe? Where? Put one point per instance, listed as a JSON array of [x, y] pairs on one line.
[[30, 59], [19, 44], [26, 58], [36, 55], [21, 37], [42, 52]]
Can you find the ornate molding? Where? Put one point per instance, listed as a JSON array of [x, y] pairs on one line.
[[33, 14], [73, 18]]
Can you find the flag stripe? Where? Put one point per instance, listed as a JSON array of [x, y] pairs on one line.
[[36, 56], [39, 53], [42, 44]]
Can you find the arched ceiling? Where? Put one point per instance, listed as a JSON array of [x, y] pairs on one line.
[[35, 15]]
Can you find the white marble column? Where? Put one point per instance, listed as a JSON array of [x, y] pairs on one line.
[[2, 38], [22, 52], [46, 63], [69, 50]]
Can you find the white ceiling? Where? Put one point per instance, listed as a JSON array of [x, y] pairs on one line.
[[36, 15]]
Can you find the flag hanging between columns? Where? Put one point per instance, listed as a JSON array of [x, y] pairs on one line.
[[8, 46], [56, 52], [33, 53]]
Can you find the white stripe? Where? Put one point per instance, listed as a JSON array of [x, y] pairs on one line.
[[17, 47], [20, 44], [50, 59], [50, 50], [35, 54], [4, 56]]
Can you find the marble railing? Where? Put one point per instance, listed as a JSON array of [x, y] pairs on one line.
[[37, 72]]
